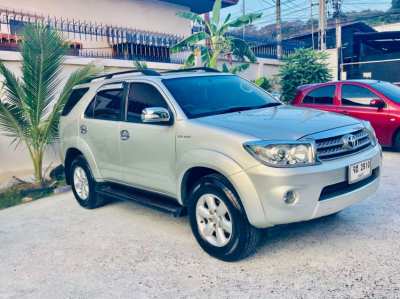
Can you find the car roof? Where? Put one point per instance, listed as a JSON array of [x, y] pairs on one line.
[[363, 81], [160, 76]]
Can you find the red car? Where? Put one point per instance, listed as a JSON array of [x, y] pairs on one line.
[[375, 101]]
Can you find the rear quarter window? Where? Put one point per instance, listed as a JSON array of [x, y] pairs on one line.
[[73, 99], [321, 96]]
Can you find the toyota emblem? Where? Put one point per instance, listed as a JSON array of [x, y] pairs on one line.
[[349, 141]]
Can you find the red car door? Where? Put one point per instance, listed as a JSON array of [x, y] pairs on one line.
[[356, 101], [322, 98]]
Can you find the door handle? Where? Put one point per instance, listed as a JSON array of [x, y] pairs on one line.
[[83, 129], [124, 135]]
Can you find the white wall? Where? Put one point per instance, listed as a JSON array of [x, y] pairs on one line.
[[150, 15], [388, 27]]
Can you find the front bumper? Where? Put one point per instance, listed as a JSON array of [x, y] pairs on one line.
[[268, 185]]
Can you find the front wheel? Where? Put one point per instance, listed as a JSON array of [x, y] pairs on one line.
[[218, 221]]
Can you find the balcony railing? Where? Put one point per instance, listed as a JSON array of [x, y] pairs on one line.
[[88, 39]]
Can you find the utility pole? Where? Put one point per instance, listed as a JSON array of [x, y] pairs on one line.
[[244, 13], [312, 24], [278, 29], [322, 24], [337, 7]]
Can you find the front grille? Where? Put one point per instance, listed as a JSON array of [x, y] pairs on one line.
[[334, 147], [344, 187]]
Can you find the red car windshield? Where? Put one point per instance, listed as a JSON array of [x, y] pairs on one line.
[[388, 89]]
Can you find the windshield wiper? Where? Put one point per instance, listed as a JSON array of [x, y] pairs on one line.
[[243, 108]]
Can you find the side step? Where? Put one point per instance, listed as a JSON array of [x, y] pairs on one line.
[[150, 199]]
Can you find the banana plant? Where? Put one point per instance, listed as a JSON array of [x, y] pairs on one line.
[[31, 105], [214, 41]]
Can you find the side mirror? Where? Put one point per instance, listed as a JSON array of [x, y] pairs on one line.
[[155, 115], [378, 103]]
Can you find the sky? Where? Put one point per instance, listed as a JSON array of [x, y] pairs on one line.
[[299, 9]]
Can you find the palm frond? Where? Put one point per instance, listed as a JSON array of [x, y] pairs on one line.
[[241, 50], [216, 12], [50, 130], [189, 41], [42, 52], [245, 20]]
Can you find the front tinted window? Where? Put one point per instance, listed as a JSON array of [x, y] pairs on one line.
[[388, 89], [353, 95], [141, 96], [106, 105], [210, 95], [322, 96]]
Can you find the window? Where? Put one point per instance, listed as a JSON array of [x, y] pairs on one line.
[[388, 89], [106, 105], [73, 99], [321, 96], [210, 95], [141, 96], [353, 95]]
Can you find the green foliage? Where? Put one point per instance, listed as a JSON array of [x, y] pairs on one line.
[[31, 105], [140, 66], [305, 66], [214, 41], [264, 83]]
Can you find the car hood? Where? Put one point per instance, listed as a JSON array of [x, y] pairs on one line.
[[279, 123]]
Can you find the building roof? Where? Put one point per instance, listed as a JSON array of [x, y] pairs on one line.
[[201, 6]]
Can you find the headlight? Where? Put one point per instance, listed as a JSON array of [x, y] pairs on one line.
[[283, 154], [371, 132]]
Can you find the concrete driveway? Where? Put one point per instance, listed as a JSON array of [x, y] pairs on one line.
[[54, 249]]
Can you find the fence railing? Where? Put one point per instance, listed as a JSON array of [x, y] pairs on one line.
[[91, 39]]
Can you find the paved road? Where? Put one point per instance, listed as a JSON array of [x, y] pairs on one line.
[[54, 249]]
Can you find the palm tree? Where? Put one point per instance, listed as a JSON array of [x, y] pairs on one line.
[[214, 40], [31, 105]]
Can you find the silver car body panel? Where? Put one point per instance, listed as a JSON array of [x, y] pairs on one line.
[[156, 158]]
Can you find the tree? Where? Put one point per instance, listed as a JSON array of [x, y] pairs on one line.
[[214, 40], [304, 66], [264, 83], [31, 106]]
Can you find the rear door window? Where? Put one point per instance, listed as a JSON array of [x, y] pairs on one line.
[[107, 105], [321, 96], [353, 95], [73, 99]]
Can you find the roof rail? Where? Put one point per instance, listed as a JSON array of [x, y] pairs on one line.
[[146, 72], [194, 69]]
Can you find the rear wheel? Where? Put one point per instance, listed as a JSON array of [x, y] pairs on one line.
[[218, 221], [83, 185]]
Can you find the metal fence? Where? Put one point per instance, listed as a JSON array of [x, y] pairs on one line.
[[120, 42]]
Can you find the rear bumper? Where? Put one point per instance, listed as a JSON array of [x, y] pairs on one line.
[[265, 187]]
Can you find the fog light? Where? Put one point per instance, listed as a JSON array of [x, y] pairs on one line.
[[290, 197]]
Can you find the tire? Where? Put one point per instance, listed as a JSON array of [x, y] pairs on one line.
[[215, 195], [83, 185], [396, 143]]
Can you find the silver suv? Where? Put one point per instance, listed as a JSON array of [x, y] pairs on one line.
[[217, 147]]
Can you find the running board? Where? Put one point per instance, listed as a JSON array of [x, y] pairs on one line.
[[149, 199]]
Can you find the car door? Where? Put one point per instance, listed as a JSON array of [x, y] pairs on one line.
[[356, 102], [323, 98], [99, 129], [147, 149]]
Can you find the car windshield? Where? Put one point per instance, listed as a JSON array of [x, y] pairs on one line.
[[388, 89], [210, 95]]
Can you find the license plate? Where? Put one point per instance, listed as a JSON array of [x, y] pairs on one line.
[[359, 171]]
